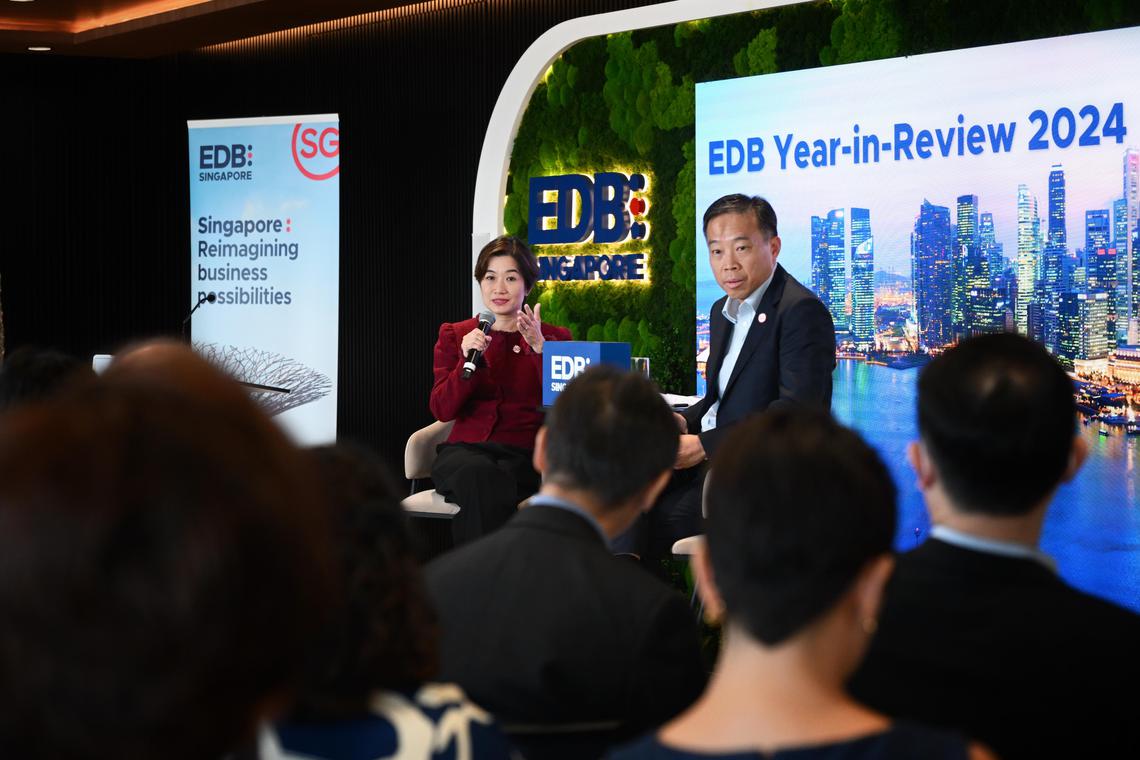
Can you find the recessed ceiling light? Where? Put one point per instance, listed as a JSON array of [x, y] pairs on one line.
[[23, 1], [39, 49]]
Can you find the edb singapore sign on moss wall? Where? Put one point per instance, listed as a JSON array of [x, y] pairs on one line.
[[605, 150]]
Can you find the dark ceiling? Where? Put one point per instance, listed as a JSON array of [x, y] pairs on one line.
[[149, 28]]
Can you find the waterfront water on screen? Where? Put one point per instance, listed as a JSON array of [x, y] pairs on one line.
[[1093, 526]]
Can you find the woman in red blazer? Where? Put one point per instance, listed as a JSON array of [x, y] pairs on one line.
[[485, 465]]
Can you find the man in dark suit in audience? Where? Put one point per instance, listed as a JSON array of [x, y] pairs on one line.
[[541, 624], [978, 632]]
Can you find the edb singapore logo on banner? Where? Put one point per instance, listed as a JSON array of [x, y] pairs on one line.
[[265, 232]]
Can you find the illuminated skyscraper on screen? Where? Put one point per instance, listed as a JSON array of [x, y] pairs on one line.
[[991, 248], [966, 227], [1101, 266], [931, 248], [1132, 215], [1098, 230], [1082, 321], [1057, 236], [862, 277], [986, 309], [837, 270], [820, 276], [1028, 253], [1119, 222], [1052, 269], [1120, 243]]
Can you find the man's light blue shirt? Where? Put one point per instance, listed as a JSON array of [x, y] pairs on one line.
[[741, 314], [543, 500], [992, 546]]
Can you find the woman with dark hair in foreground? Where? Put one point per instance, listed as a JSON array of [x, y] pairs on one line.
[[162, 567], [801, 514], [367, 693]]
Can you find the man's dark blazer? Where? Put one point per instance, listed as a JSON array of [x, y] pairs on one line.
[[541, 624], [789, 357], [1004, 651]]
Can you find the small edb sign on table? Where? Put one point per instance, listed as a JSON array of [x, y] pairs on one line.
[[564, 360]]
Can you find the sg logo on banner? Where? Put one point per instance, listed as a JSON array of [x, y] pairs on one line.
[[604, 205], [316, 152]]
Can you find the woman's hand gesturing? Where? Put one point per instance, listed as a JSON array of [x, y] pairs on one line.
[[530, 326]]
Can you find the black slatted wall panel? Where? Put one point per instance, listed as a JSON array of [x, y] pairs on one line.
[[96, 236]]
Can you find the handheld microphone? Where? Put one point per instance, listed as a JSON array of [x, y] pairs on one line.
[[210, 297], [486, 319]]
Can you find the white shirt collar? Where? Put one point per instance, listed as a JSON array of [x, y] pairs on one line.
[[992, 546], [731, 307]]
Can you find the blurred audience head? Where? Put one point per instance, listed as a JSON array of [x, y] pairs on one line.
[[382, 634], [164, 566], [31, 374], [801, 515], [997, 419], [610, 434], [157, 358]]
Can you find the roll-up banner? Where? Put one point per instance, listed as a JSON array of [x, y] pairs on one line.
[[265, 261]]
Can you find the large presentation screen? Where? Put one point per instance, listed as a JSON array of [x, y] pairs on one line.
[[935, 197]]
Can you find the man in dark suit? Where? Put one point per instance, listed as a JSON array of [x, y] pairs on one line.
[[540, 622], [772, 342], [978, 632]]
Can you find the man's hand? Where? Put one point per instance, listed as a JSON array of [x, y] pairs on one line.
[[690, 452], [682, 423]]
